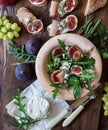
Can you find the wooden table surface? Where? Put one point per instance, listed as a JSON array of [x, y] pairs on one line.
[[92, 116]]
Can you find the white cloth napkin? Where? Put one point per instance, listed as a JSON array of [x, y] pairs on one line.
[[35, 89]]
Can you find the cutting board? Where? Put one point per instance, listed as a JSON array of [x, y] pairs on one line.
[[89, 118]]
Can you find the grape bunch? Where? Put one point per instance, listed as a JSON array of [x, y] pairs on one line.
[[8, 30], [105, 99]]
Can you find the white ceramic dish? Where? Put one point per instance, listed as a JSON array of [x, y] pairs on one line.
[[42, 61]]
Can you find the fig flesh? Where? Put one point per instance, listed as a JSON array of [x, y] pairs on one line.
[[76, 70], [23, 72], [32, 46], [57, 51], [75, 52], [37, 2], [35, 27], [57, 76], [67, 6], [71, 22]]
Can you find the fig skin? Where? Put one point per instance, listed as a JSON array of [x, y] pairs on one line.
[[72, 22], [32, 46], [57, 76], [75, 52], [76, 70], [57, 51], [23, 72]]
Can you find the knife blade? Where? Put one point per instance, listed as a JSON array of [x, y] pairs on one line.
[[76, 112], [66, 112], [69, 110]]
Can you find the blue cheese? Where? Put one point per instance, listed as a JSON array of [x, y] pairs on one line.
[[38, 108], [65, 66]]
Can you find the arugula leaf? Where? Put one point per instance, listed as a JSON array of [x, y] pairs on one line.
[[61, 43], [23, 121], [77, 92], [20, 52], [87, 76], [55, 92]]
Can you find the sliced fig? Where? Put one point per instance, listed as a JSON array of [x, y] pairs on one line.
[[38, 2], [57, 76], [67, 6], [76, 70], [75, 52], [57, 51], [35, 27], [71, 22]]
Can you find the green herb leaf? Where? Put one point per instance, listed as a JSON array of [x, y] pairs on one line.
[[20, 52], [23, 121], [77, 92], [55, 92], [61, 43]]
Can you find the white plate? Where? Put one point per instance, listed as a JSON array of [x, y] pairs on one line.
[[42, 61]]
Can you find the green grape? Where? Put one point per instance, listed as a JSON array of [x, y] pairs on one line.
[[106, 113], [105, 107], [106, 104], [104, 99], [5, 37], [18, 29], [5, 22], [10, 35], [8, 26], [16, 34], [14, 26], [1, 35], [4, 17], [106, 89], [1, 22], [3, 29]]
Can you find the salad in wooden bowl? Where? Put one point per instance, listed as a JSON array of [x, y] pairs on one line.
[[68, 66]]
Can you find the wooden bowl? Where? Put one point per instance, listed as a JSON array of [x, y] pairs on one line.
[[42, 61]]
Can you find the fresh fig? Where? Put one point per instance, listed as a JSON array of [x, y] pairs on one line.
[[57, 76], [57, 51], [23, 72], [37, 2], [76, 70], [32, 46], [75, 52], [67, 6], [35, 27], [71, 22]]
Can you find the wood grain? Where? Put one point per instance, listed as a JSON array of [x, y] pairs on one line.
[[90, 116]]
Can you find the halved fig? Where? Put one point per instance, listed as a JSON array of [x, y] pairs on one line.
[[35, 26], [38, 2], [75, 52], [57, 76], [76, 70], [67, 6], [57, 51], [71, 22]]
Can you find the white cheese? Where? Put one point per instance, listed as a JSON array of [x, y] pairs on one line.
[[65, 66], [38, 108]]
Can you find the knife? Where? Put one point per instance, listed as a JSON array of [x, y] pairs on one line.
[[66, 112], [76, 112]]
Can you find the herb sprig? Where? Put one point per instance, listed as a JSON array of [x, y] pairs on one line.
[[97, 33], [24, 120], [20, 52]]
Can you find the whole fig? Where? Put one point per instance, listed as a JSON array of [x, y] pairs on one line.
[[32, 46], [23, 72]]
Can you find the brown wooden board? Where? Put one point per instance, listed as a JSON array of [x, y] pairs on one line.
[[89, 118]]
